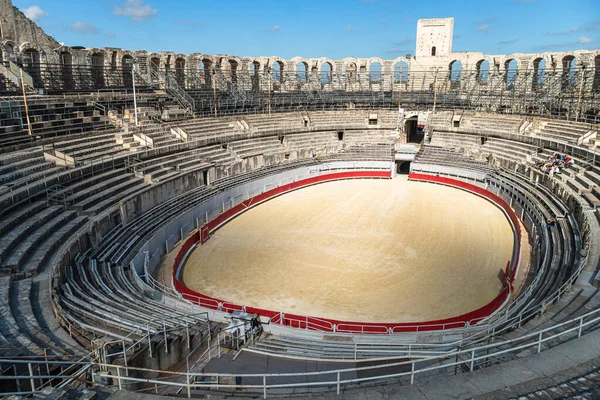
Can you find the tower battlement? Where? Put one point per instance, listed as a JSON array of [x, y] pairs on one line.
[[434, 37]]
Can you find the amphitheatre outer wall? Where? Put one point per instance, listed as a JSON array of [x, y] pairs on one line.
[[23, 41]]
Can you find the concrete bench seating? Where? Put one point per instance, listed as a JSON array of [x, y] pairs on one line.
[[12, 157], [26, 320], [26, 181], [561, 131], [508, 149], [493, 123], [368, 137], [113, 200], [455, 140], [210, 154], [218, 155], [170, 161], [152, 218], [254, 147], [265, 123], [20, 164], [23, 249], [10, 220], [95, 150], [37, 259], [91, 190], [11, 239], [312, 140], [103, 192], [8, 325], [592, 198], [89, 181], [593, 174], [107, 294], [21, 173], [86, 297], [75, 145], [430, 154]]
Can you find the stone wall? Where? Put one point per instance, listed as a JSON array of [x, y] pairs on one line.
[[20, 34]]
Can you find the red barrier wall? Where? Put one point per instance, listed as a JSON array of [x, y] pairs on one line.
[[331, 325]]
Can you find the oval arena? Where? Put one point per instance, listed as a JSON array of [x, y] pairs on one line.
[[210, 226], [360, 250]]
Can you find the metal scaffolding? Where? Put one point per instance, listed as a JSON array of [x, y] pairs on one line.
[[572, 93]]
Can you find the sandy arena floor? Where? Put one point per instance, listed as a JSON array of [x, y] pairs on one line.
[[359, 250]]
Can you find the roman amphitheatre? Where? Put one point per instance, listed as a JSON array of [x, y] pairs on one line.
[[215, 226]]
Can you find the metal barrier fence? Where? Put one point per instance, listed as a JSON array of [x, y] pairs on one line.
[[474, 355], [471, 358], [472, 330]]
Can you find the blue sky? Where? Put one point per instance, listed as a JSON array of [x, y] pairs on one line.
[[316, 28]]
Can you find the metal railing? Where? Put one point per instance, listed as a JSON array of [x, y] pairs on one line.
[[471, 359]]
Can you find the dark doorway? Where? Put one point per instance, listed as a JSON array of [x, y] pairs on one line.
[[413, 133], [402, 167]]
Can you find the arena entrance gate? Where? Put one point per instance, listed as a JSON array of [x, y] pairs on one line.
[[402, 167]]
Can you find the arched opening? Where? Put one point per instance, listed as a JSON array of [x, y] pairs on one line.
[[455, 74], [402, 167], [301, 72], [255, 75], [168, 63], [66, 69], [596, 84], [277, 71], [113, 61], [206, 71], [401, 72], [433, 50], [414, 134], [233, 65], [510, 73], [539, 70], [483, 71], [98, 70], [127, 65], [31, 64], [326, 76], [154, 65], [351, 73], [10, 52], [569, 64], [180, 71], [375, 72]]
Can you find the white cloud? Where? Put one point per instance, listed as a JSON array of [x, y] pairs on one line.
[[509, 41], [483, 27], [351, 28], [35, 13], [584, 39], [84, 28], [111, 34], [136, 9], [404, 41], [274, 28]]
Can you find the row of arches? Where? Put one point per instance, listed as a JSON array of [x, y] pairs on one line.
[[352, 72], [32, 58]]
